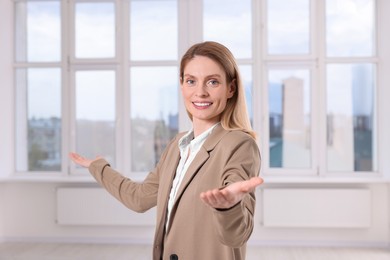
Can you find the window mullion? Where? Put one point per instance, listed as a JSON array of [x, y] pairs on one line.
[[67, 133], [123, 96]]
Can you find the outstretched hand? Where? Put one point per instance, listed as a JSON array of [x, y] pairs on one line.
[[230, 195], [82, 161]]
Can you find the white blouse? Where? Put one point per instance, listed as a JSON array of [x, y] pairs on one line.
[[189, 147]]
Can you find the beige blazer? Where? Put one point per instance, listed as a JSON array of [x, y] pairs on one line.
[[195, 231]]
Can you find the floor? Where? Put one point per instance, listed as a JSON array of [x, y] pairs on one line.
[[53, 251]]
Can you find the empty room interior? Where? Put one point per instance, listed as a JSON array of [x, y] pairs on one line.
[[101, 78]]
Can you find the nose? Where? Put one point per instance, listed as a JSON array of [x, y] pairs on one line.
[[201, 90]]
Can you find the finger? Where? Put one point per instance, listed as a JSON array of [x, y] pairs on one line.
[[209, 198], [219, 197], [73, 156], [205, 198], [251, 184]]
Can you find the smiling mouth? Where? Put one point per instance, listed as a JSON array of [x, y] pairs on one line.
[[202, 104]]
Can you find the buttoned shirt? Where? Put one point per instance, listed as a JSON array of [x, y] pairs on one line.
[[189, 147]]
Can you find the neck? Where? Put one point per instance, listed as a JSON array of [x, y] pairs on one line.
[[200, 128]]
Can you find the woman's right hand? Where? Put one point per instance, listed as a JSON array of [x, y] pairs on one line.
[[82, 161]]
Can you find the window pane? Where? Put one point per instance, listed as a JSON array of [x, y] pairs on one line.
[[350, 117], [95, 114], [288, 26], [246, 76], [230, 23], [95, 30], [289, 118], [38, 31], [38, 119], [153, 30], [154, 113], [350, 27]]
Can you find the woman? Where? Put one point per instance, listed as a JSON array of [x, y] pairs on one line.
[[203, 185]]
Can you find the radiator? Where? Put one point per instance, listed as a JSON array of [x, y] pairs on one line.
[[317, 208], [95, 206]]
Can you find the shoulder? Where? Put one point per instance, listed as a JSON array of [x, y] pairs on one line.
[[234, 138], [223, 138], [239, 135]]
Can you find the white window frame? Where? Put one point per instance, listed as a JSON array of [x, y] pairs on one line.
[[190, 31]]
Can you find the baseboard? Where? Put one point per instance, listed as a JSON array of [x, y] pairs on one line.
[[148, 242], [78, 240], [345, 244]]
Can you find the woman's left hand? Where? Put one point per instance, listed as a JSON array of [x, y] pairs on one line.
[[82, 161], [230, 195]]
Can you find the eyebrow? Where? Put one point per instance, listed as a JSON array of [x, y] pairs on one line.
[[208, 76]]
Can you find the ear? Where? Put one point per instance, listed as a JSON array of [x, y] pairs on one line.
[[232, 88]]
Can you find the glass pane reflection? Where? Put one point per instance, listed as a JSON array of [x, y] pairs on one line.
[[38, 130], [95, 30], [154, 113], [350, 27], [154, 30], [95, 114], [38, 31], [350, 117], [288, 26], [230, 23], [289, 118]]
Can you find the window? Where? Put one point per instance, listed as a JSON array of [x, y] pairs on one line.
[[351, 86], [94, 26], [95, 113], [289, 95], [288, 27], [291, 87], [38, 86], [100, 77], [153, 124], [154, 81], [297, 62]]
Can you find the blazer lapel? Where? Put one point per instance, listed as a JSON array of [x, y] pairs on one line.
[[165, 186], [199, 160], [202, 156]]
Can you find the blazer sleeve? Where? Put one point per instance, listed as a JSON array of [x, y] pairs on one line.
[[136, 196], [235, 225]]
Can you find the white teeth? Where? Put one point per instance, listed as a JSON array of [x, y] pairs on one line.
[[202, 104]]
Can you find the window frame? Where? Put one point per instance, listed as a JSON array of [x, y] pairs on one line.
[[307, 61], [188, 17]]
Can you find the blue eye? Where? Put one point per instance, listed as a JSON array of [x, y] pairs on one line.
[[213, 83], [190, 82]]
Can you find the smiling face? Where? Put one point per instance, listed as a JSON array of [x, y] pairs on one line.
[[205, 91]]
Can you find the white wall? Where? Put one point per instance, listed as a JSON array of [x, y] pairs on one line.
[[6, 103], [29, 214], [1, 211], [376, 235], [6, 91], [384, 92]]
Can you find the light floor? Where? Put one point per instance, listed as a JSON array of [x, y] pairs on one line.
[[55, 251]]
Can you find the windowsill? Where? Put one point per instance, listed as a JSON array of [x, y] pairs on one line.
[[324, 179], [267, 179], [48, 179]]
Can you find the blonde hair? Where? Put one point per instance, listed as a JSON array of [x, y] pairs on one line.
[[235, 116]]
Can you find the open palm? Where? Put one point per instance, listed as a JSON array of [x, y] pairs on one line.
[[82, 161], [229, 196]]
